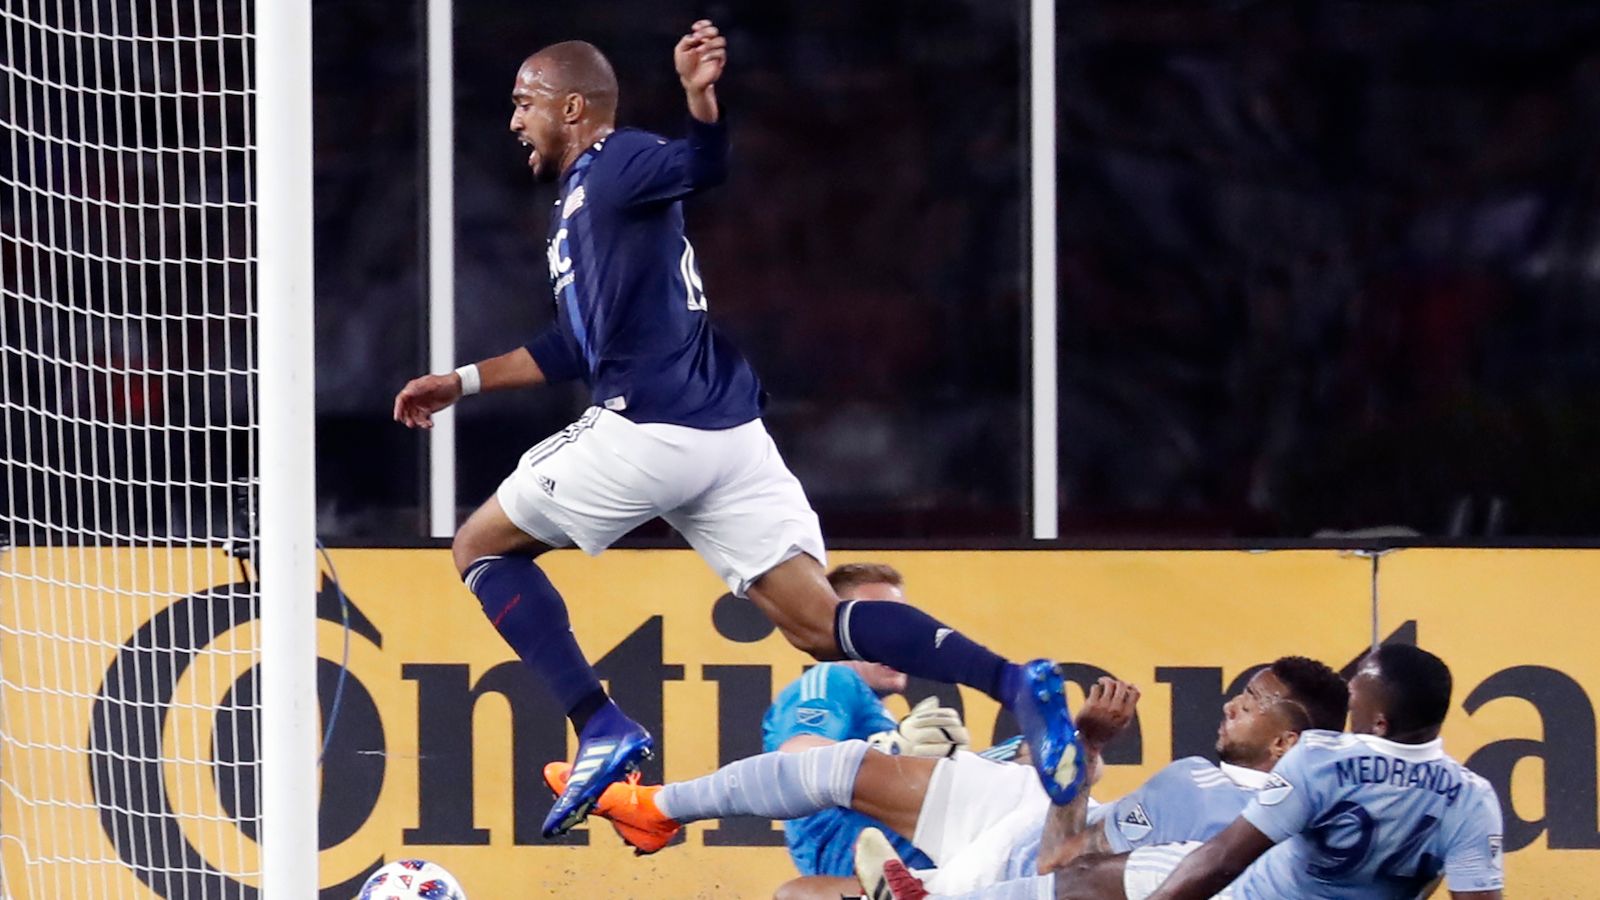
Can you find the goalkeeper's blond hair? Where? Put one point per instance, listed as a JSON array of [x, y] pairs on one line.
[[851, 575]]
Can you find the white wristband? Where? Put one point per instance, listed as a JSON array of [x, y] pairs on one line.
[[471, 382]]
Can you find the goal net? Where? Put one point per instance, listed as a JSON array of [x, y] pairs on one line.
[[128, 643]]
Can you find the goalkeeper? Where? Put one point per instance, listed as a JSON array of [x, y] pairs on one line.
[[838, 702]]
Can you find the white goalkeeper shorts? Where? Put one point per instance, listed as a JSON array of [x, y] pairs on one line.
[[727, 492], [1148, 867], [975, 804]]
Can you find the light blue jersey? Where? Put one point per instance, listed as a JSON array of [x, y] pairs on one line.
[[1189, 800], [830, 701], [834, 702], [1361, 817]]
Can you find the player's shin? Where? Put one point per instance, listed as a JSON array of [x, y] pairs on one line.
[[529, 613], [906, 638], [772, 785]]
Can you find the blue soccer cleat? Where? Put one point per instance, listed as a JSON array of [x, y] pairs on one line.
[[611, 746], [1040, 706]]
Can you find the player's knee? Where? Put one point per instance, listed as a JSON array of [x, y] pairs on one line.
[[468, 547], [815, 640], [462, 551]]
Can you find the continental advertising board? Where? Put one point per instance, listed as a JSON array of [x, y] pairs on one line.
[[135, 785]]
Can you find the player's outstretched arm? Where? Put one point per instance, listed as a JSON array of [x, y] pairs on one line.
[[699, 59], [416, 403], [1216, 864], [1106, 711]]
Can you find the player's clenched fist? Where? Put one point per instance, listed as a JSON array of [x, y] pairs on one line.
[[700, 56], [930, 730], [1106, 710], [416, 403]]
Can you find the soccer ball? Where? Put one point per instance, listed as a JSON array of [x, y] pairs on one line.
[[411, 879]]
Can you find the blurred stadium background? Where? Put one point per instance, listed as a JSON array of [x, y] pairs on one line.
[[1322, 265]]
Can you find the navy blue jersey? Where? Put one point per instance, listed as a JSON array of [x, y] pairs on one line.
[[630, 307]]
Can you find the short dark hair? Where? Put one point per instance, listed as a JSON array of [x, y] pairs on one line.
[[1416, 687], [1319, 690], [578, 67], [850, 575]]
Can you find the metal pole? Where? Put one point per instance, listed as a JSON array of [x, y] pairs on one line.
[[289, 711], [441, 262], [1042, 171]]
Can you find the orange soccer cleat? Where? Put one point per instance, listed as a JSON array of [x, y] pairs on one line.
[[629, 806]]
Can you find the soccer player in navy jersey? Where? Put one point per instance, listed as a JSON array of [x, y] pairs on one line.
[[674, 429]]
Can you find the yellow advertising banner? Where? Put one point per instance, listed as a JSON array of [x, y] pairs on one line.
[[440, 735], [1518, 629]]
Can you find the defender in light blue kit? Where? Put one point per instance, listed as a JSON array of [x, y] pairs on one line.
[[1380, 813]]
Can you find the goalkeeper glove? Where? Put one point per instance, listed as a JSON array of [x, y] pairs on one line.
[[930, 730]]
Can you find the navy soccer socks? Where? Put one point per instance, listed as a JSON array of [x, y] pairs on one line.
[[529, 613], [906, 638]]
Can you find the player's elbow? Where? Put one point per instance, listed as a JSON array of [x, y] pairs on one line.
[[708, 173]]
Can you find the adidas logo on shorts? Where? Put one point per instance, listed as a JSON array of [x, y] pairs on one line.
[[548, 484]]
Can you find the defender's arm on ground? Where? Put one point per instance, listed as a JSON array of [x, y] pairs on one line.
[[1216, 864], [416, 403]]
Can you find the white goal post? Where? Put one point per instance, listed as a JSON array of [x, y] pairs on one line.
[[158, 706]]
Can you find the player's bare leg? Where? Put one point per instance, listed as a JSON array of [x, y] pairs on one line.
[[891, 789], [817, 887], [496, 560], [844, 775], [797, 598], [490, 532], [795, 595]]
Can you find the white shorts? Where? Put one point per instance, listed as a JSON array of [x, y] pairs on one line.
[[992, 857], [1148, 867], [975, 804], [728, 492]]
